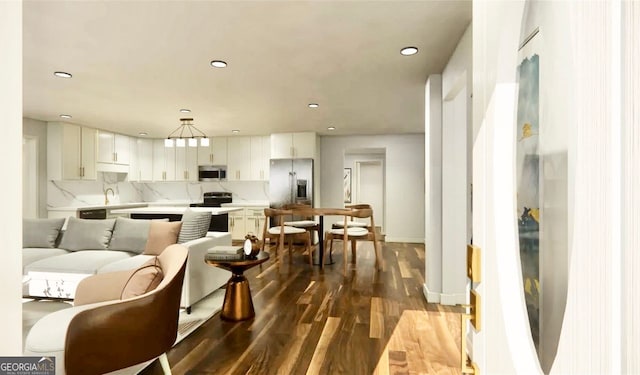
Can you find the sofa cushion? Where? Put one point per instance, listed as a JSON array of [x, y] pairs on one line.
[[30, 255], [195, 224], [85, 234], [126, 264], [87, 262], [130, 235], [41, 232], [145, 279], [161, 235]]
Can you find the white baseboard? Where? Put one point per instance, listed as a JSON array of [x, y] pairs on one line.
[[444, 299], [432, 297], [404, 239], [453, 299]]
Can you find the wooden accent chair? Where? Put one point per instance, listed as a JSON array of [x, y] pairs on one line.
[[352, 222], [281, 232], [352, 234], [104, 333], [303, 217]]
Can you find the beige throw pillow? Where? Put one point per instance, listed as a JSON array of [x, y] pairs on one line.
[[145, 279], [161, 235]]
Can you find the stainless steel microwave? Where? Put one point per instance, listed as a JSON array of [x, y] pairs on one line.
[[212, 173]]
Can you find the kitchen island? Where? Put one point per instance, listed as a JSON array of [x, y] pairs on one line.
[[219, 215]]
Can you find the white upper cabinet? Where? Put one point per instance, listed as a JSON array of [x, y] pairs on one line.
[[141, 159], [215, 153], [71, 152], [186, 163], [113, 150], [164, 161], [238, 158], [145, 159], [260, 152], [293, 145]]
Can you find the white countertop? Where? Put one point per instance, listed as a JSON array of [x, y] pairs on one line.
[[175, 210], [98, 206], [246, 204]]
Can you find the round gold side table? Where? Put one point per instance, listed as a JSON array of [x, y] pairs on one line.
[[238, 304]]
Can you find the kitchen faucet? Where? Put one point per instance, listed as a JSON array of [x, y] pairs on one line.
[[106, 199]]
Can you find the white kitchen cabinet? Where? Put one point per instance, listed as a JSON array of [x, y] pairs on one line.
[[293, 145], [164, 161], [112, 149], [134, 166], [247, 220], [238, 158], [237, 225], [255, 220], [260, 152], [71, 152], [145, 159], [215, 153], [186, 163]]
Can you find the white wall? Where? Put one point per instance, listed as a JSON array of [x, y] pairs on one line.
[[11, 153], [448, 200], [404, 188], [38, 130], [580, 110], [433, 184]]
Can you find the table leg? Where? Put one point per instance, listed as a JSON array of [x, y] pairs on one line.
[[238, 304]]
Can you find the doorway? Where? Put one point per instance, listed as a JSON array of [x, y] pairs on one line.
[[29, 177], [369, 188]]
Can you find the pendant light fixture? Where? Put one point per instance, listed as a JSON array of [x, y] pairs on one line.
[[185, 134]]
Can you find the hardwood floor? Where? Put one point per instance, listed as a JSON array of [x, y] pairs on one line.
[[313, 321]]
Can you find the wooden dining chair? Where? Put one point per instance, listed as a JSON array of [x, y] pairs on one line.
[[350, 234], [352, 222], [303, 217], [279, 232]]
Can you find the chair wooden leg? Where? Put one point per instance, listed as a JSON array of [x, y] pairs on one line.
[[344, 255], [164, 363], [290, 248], [379, 259], [310, 249], [324, 250], [353, 251]]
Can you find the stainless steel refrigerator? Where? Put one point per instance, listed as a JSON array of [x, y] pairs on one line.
[[290, 181]]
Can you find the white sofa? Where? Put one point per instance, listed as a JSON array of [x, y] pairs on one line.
[[61, 266]]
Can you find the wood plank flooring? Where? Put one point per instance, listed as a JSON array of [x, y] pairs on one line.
[[313, 321]]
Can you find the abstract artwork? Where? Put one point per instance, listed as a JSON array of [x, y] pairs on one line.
[[347, 185], [528, 186]]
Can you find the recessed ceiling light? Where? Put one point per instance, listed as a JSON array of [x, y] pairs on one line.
[[331, 128], [62, 74], [408, 51], [218, 64], [66, 116], [235, 131], [142, 134], [184, 110], [314, 105]]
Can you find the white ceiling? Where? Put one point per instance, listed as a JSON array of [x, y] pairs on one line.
[[135, 64]]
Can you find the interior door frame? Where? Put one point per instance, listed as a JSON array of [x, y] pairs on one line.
[[357, 186]]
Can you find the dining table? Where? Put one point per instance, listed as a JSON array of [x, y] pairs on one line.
[[321, 213]]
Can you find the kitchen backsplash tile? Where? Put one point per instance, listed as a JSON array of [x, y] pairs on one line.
[[84, 193]]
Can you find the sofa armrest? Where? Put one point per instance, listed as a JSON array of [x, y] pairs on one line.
[[101, 287], [200, 278]]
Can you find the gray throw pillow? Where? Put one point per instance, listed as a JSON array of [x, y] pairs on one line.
[[130, 235], [41, 232], [85, 234], [194, 225]]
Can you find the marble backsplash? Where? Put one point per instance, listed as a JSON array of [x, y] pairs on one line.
[[90, 193]]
